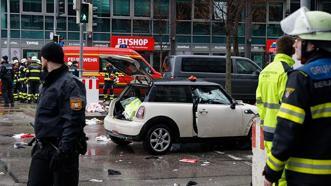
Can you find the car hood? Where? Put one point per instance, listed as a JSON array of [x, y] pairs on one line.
[[127, 65]]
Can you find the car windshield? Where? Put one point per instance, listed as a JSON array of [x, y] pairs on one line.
[[210, 94], [144, 65]]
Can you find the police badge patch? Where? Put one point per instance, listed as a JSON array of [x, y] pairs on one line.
[[76, 103], [288, 92]]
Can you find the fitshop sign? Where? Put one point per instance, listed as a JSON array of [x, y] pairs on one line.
[[133, 42]]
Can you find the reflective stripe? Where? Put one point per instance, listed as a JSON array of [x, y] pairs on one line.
[[258, 100], [34, 78], [274, 163], [269, 129], [292, 113], [268, 133], [35, 71], [309, 166], [271, 105], [321, 111]]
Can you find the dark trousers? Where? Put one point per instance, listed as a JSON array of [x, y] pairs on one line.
[[16, 90], [40, 173], [7, 91], [108, 86], [33, 89]]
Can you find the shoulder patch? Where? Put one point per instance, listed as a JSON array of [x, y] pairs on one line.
[[76, 103], [288, 92]]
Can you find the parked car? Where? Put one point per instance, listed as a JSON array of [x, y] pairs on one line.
[[168, 111], [245, 72]]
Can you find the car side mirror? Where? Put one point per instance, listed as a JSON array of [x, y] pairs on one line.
[[233, 105]]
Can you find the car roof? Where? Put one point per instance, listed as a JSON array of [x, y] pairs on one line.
[[183, 82]]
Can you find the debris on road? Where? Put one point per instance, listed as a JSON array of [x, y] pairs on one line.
[[113, 172], [95, 107], [186, 160], [175, 170], [152, 157], [191, 183], [23, 135], [102, 138], [96, 180], [20, 145], [2, 173], [93, 121]]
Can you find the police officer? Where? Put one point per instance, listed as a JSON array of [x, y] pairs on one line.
[[59, 123], [7, 75], [271, 86], [302, 139], [110, 78], [33, 74]]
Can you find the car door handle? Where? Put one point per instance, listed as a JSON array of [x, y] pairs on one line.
[[203, 111]]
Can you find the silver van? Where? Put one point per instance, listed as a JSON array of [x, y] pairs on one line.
[[245, 72]]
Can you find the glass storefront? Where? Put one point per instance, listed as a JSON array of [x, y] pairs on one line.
[[32, 5], [142, 8], [121, 8]]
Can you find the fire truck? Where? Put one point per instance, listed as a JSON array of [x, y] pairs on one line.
[[94, 66]]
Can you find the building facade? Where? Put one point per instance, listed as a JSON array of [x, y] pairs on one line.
[[31, 23]]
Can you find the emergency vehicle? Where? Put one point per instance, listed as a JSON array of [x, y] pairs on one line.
[[94, 66]]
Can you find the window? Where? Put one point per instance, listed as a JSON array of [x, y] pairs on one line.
[[274, 30], [103, 25], [160, 27], [161, 9], [32, 5], [210, 95], [121, 7], [72, 26], [103, 8], [258, 30], [142, 8], [201, 39], [275, 11], [101, 37], [183, 39], [50, 6], [71, 11], [163, 93], [219, 10], [141, 26], [73, 35], [121, 25], [15, 34], [209, 65], [14, 21], [218, 39], [218, 28], [183, 9], [259, 12], [245, 67], [201, 9], [14, 6], [183, 27], [32, 22], [32, 34], [201, 28], [134, 91]]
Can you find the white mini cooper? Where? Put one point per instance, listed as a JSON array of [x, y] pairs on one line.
[[169, 111]]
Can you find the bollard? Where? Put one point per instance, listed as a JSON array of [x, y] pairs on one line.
[[259, 154], [92, 90]]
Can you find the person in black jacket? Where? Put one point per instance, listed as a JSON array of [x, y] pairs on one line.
[[59, 124], [7, 76]]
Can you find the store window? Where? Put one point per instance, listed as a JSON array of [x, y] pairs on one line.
[[101, 37], [161, 38], [73, 35], [103, 8], [274, 30], [49, 23], [50, 6], [216, 39], [275, 11], [160, 27], [121, 25], [121, 7], [258, 40], [71, 10], [32, 5], [183, 9], [14, 21], [141, 26], [72, 25], [142, 8], [103, 25], [32, 34], [183, 27], [161, 9], [32, 22], [15, 34], [201, 39], [201, 28], [202, 9], [183, 39], [218, 28], [259, 12], [14, 6], [258, 30], [241, 29]]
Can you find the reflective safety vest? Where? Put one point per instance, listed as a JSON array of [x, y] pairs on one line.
[[269, 93], [33, 72], [302, 141], [22, 74], [110, 75]]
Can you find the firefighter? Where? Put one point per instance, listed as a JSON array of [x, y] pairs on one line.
[[59, 124], [22, 81], [7, 75], [110, 79], [33, 74], [271, 86], [302, 139], [16, 83]]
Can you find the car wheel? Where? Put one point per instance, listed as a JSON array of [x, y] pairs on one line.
[[119, 141], [158, 139]]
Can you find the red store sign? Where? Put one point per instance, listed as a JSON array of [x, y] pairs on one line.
[[270, 46], [133, 42]]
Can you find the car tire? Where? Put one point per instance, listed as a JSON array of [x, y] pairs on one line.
[[119, 141], [158, 139]]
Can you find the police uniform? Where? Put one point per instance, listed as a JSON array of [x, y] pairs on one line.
[[59, 123], [33, 74], [7, 75]]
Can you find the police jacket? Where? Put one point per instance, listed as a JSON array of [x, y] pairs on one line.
[[6, 72], [302, 140], [60, 112], [269, 93], [33, 72]]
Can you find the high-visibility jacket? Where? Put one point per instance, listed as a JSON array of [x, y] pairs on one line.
[[22, 74], [271, 86], [33, 72], [302, 140], [110, 74]]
